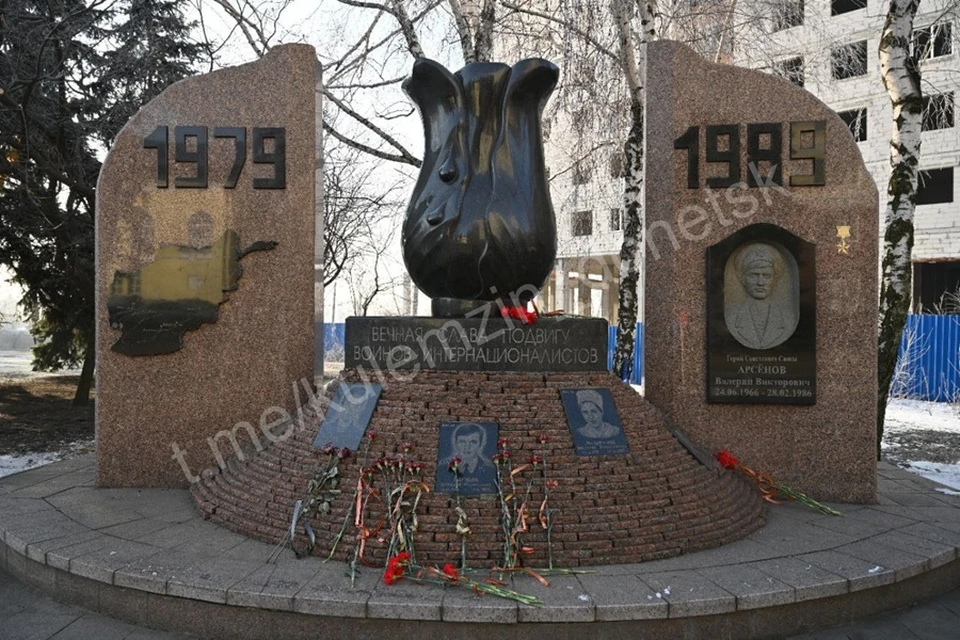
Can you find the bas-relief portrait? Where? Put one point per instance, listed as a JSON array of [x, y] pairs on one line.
[[761, 295]]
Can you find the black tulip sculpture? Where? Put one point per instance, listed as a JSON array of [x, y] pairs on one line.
[[480, 225]]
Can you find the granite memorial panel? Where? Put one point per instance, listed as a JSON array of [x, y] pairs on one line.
[[761, 264], [201, 335], [479, 343]]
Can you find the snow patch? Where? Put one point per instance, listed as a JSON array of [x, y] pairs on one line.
[[11, 464], [907, 415], [946, 474]]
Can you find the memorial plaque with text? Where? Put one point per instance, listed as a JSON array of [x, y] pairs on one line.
[[473, 445], [348, 416], [594, 422], [476, 344], [761, 318]]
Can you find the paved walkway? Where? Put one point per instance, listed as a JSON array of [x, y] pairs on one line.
[[136, 549], [26, 614]]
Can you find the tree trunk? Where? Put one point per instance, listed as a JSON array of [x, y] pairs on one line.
[[630, 249], [82, 396], [901, 78]]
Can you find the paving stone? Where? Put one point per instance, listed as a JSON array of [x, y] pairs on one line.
[[95, 508], [37, 551], [93, 626], [59, 558], [744, 550], [860, 573], [152, 573], [939, 514], [209, 580], [793, 537], [808, 580], [406, 600], [169, 505], [247, 549], [915, 499], [625, 598], [113, 554], [331, 593], [690, 594], [463, 605], [21, 538], [904, 563], [564, 600], [134, 529], [937, 553], [855, 529], [951, 601], [753, 588], [274, 586], [10, 507], [178, 534], [33, 625], [931, 621], [891, 517]]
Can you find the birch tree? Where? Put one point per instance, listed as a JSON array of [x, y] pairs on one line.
[[901, 79]]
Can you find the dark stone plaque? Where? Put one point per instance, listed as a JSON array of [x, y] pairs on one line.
[[594, 422], [181, 289], [348, 415], [475, 443], [761, 318], [476, 344]]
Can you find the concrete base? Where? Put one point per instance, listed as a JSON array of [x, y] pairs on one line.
[[147, 557]]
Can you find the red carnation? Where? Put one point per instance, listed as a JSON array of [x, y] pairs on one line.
[[396, 567], [727, 460], [451, 572]]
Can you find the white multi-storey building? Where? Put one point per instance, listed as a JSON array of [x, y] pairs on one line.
[[830, 48]]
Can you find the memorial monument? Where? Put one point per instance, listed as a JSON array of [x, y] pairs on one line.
[[205, 278], [761, 289], [488, 430]]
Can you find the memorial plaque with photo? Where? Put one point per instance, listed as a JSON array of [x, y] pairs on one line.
[[348, 416], [594, 422], [761, 318], [475, 443]]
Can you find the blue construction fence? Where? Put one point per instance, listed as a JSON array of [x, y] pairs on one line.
[[929, 366]]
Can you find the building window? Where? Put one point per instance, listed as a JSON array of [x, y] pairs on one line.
[[933, 41], [617, 166], [856, 121], [936, 287], [582, 223], [787, 14], [838, 7], [616, 219], [937, 111], [849, 61], [791, 69], [582, 172], [935, 186]]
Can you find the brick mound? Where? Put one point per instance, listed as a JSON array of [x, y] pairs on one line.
[[655, 502]]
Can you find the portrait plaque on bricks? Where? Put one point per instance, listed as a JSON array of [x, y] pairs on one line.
[[761, 245], [205, 277], [594, 423], [346, 419], [474, 444], [761, 318]]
